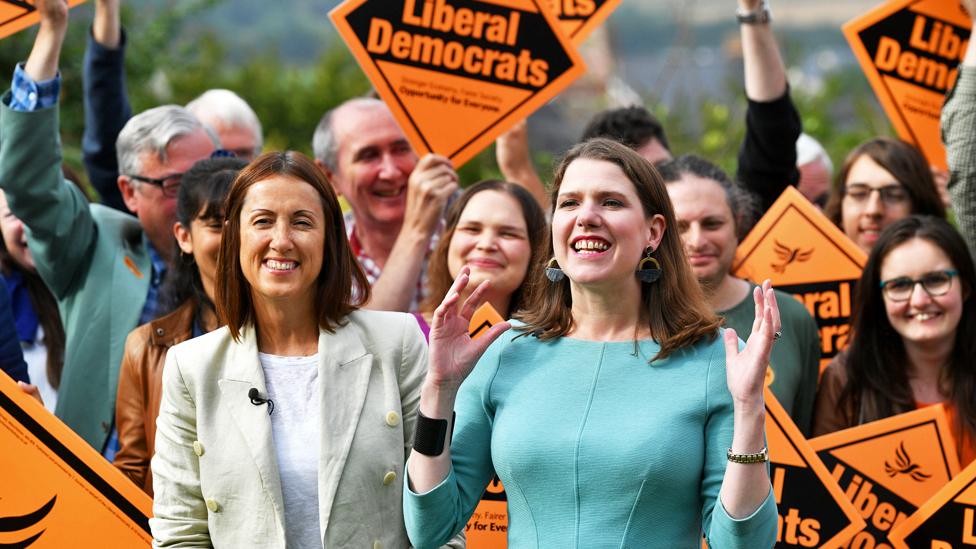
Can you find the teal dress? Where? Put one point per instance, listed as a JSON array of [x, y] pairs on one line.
[[595, 447]]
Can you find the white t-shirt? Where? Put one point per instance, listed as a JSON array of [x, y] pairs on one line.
[[35, 355], [293, 386]]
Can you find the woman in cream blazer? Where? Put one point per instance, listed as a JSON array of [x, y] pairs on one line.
[[225, 465]]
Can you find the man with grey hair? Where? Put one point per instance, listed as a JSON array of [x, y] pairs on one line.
[[104, 267], [397, 201], [232, 118]]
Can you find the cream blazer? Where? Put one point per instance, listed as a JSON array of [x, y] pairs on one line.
[[215, 473]]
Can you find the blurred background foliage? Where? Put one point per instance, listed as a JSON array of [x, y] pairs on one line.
[[165, 66]]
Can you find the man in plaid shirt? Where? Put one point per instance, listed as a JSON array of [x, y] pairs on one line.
[[397, 200]]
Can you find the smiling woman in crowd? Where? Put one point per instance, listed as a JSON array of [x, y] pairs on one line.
[[608, 412], [189, 290], [914, 334], [290, 425], [495, 229], [882, 180]]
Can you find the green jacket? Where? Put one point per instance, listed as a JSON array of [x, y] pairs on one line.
[[93, 259]]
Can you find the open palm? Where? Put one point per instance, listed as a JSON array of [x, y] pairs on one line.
[[453, 353], [746, 369]]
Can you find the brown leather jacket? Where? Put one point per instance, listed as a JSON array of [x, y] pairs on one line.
[[140, 390]]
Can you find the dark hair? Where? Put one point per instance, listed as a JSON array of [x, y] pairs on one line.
[[876, 363], [633, 126], [674, 307], [743, 204], [342, 286], [904, 162], [439, 278], [202, 194]]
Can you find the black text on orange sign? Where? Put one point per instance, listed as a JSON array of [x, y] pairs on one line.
[[930, 57], [569, 9], [794, 529], [466, 23], [881, 513]]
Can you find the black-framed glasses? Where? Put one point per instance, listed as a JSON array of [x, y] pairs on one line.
[[891, 195], [935, 283], [170, 185]]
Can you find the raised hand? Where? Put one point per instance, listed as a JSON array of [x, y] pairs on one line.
[[42, 64], [453, 353], [746, 370]]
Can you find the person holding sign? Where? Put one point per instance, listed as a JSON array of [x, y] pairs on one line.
[[189, 291], [483, 234], [608, 415], [289, 426], [882, 180], [704, 200], [914, 335]]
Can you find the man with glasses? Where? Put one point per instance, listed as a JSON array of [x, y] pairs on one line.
[[104, 267]]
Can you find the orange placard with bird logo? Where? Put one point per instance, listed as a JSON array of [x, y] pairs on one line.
[[946, 521], [804, 254], [890, 468], [55, 490]]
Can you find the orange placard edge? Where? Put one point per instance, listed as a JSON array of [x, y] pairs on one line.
[[959, 484], [581, 33], [850, 31], [483, 318], [16, 23], [504, 123], [25, 410], [800, 444], [792, 198]]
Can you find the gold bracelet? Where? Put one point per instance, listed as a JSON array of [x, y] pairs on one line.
[[759, 457]]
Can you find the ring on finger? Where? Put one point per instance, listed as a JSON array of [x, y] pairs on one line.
[[777, 334]]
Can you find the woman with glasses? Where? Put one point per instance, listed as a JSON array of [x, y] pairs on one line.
[[882, 180], [914, 334]]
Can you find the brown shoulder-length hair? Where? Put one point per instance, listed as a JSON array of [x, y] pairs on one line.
[[342, 287], [439, 278], [904, 162], [876, 361], [674, 307]]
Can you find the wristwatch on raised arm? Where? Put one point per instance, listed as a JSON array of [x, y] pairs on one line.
[[760, 15]]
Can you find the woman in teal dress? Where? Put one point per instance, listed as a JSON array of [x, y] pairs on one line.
[[616, 412]]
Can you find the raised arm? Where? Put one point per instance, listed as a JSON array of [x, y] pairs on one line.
[[61, 230], [745, 486], [106, 102], [515, 162], [959, 135], [767, 158], [430, 186]]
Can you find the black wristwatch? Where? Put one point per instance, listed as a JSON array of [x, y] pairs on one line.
[[759, 16]]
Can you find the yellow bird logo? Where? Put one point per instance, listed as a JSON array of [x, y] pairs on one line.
[[789, 255], [904, 466]]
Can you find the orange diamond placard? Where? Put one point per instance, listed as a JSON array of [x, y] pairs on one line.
[[16, 15], [889, 468], [578, 18], [55, 490], [458, 73], [910, 50], [813, 510], [807, 256], [947, 520]]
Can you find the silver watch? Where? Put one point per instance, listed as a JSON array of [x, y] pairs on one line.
[[761, 15]]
